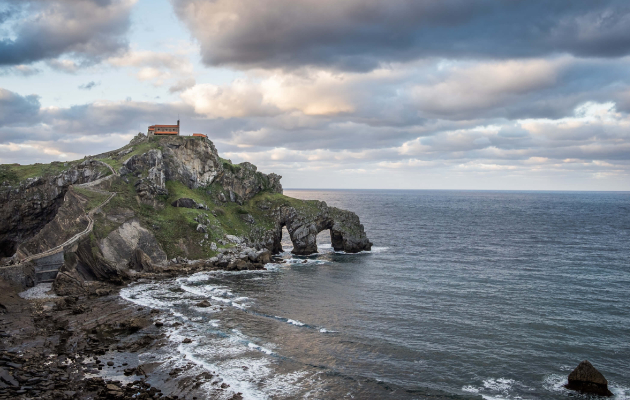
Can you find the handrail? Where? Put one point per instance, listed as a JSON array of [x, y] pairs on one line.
[[79, 235]]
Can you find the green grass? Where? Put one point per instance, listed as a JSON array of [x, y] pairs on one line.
[[14, 173], [94, 199], [116, 161]]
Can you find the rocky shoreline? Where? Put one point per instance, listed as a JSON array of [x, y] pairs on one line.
[[89, 347]]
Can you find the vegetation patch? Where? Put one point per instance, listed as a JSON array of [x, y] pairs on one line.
[[94, 199], [15, 173]]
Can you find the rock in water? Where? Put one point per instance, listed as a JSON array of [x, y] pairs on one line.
[[587, 379], [203, 303]]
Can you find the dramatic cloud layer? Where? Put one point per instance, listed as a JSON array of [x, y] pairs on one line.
[[396, 94], [362, 35], [35, 30]]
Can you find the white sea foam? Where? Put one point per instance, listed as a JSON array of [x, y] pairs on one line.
[[198, 277], [620, 392], [306, 261], [494, 389], [555, 383], [499, 385], [259, 348], [470, 389], [239, 362], [40, 291]]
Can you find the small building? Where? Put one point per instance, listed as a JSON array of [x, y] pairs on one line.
[[200, 135], [164, 129]]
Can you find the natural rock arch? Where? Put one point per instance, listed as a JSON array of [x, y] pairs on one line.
[[346, 232]]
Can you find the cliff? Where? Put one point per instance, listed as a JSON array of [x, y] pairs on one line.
[[175, 199]]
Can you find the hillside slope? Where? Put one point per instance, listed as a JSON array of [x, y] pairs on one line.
[[175, 199]]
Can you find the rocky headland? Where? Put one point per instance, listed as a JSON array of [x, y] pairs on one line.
[[157, 208]]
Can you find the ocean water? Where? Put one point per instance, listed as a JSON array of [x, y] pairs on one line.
[[494, 295]]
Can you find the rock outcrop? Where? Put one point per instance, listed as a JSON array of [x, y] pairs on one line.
[[85, 263], [154, 183], [586, 378], [304, 223], [188, 203], [28, 206], [119, 246], [195, 163], [243, 181], [222, 215], [70, 220], [141, 262]]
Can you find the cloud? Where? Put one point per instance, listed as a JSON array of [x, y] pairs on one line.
[[182, 85], [47, 29], [21, 70], [467, 91], [89, 85], [16, 109], [312, 94], [157, 67], [593, 142], [363, 35]]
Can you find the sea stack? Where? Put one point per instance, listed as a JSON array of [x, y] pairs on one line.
[[587, 379]]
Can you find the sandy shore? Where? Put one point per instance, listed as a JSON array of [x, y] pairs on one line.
[[93, 348]]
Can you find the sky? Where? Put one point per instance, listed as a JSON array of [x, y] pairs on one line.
[[360, 94]]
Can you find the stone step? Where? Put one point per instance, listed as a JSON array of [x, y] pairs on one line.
[[47, 267], [46, 275], [47, 270]]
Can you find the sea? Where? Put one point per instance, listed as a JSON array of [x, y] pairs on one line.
[[464, 295]]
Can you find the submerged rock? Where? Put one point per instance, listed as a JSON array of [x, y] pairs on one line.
[[203, 303], [587, 379]]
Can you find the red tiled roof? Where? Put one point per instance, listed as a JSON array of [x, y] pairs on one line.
[[200, 135], [165, 126]]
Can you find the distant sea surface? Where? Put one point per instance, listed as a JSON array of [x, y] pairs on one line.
[[465, 295]]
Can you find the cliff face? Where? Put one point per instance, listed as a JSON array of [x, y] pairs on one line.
[[195, 163], [29, 205]]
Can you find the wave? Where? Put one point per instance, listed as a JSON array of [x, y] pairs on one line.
[[555, 383]]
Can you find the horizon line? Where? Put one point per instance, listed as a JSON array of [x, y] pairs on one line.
[[473, 190]]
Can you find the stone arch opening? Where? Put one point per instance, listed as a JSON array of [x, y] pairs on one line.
[[8, 248], [285, 239]]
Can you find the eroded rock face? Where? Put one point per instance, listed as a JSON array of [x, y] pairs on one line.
[[195, 163], [243, 181], [27, 208], [587, 379], [119, 246], [70, 220], [141, 262], [154, 183], [85, 263], [346, 231]]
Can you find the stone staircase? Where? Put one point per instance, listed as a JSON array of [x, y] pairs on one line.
[[46, 268]]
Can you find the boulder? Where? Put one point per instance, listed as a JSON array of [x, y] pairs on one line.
[[587, 379], [185, 202], [140, 261], [119, 245], [134, 324], [203, 304]]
